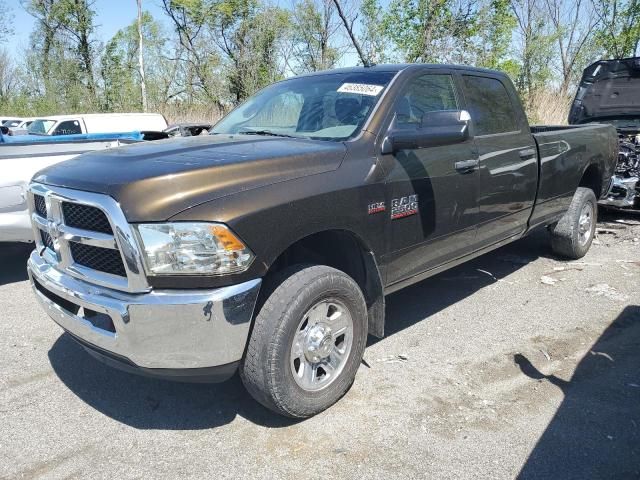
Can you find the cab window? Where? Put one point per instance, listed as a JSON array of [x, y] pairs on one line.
[[489, 105], [69, 127], [424, 94], [41, 127]]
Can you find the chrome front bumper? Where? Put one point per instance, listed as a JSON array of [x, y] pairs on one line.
[[622, 192], [161, 329]]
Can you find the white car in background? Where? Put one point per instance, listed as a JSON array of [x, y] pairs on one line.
[[11, 122], [98, 123], [21, 126], [20, 160]]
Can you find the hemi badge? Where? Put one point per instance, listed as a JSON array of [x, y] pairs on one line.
[[376, 207]]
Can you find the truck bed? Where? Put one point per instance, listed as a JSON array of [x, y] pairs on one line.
[[560, 149]]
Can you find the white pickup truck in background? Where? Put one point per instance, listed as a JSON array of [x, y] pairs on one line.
[[97, 123]]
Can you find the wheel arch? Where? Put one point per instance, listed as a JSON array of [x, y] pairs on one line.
[[345, 251], [592, 179]]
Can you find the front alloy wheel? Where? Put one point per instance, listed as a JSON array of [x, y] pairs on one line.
[[321, 345]]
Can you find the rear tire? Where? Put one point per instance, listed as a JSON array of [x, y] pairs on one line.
[[572, 236], [307, 341]]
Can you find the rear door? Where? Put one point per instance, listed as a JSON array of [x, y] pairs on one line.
[[432, 207], [508, 159]]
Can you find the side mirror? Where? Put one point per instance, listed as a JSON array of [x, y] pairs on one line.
[[437, 129]]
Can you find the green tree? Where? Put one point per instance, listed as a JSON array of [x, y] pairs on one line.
[[6, 18], [431, 30], [315, 36], [494, 29], [76, 21], [373, 36], [249, 37], [618, 35], [8, 78], [534, 46], [120, 70], [573, 23], [199, 74], [229, 47], [118, 76], [62, 50]]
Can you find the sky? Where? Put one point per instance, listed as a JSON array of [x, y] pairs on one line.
[[111, 16]]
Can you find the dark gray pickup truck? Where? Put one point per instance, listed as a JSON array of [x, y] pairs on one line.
[[268, 246]]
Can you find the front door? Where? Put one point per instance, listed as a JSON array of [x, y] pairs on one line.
[[432, 201]]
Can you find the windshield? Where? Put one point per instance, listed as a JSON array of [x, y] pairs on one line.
[[324, 107], [41, 126]]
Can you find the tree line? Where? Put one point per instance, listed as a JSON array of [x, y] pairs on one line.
[[205, 56]]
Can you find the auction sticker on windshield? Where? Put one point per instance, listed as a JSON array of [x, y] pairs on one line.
[[361, 88]]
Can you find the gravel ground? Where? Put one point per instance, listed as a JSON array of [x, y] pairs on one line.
[[514, 364]]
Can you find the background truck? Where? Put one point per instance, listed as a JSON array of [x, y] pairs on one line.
[[97, 123], [268, 246], [609, 92]]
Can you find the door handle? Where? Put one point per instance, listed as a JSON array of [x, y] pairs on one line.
[[466, 166], [529, 152]]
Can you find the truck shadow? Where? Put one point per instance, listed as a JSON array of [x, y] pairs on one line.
[[148, 403], [13, 262], [596, 431], [154, 404]]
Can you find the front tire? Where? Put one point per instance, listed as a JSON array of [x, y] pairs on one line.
[[307, 341], [572, 236]]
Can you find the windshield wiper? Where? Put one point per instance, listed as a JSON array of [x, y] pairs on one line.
[[266, 133]]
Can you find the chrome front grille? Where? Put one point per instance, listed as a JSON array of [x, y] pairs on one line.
[[40, 205], [46, 240], [86, 217], [86, 235], [102, 259]]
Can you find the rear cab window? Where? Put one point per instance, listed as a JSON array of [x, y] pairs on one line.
[[68, 127], [490, 106]]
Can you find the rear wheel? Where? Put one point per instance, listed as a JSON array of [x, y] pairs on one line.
[[572, 236], [307, 341]]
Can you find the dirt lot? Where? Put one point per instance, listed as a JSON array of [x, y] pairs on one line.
[[514, 364]]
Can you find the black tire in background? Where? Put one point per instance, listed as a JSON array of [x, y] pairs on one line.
[[267, 368], [572, 236]]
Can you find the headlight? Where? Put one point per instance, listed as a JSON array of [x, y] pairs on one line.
[[192, 249]]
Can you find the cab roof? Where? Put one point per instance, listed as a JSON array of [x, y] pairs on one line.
[[398, 67]]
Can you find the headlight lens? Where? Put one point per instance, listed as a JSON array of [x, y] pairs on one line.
[[192, 249]]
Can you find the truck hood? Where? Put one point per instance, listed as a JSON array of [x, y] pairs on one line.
[[154, 181], [609, 89]]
